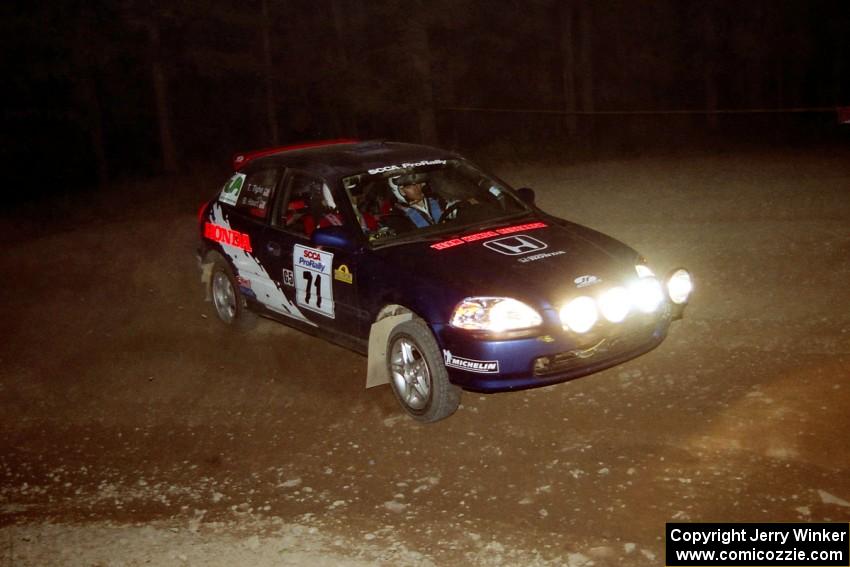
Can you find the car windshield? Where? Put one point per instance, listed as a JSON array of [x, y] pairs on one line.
[[400, 202]]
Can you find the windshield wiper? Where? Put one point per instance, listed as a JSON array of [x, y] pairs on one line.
[[398, 241]]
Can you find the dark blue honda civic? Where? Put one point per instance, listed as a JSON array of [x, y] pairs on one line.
[[442, 274]]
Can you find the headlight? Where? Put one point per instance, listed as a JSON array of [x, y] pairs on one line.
[[646, 294], [495, 314], [679, 286], [615, 304], [579, 314]]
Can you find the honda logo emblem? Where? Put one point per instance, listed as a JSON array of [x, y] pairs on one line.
[[515, 245]]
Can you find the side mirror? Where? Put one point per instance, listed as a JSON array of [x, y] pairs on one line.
[[526, 194], [334, 237]]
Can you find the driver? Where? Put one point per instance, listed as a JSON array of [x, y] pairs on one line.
[[421, 210]]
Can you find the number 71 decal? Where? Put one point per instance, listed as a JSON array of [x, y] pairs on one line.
[[313, 279]]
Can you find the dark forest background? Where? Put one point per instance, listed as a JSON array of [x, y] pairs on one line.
[[110, 90]]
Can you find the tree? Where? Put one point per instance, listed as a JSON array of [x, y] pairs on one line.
[[146, 16], [416, 42], [268, 73], [585, 54], [90, 51], [709, 75], [566, 19], [168, 148]]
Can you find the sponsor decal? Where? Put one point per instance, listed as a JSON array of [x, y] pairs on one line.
[[245, 286], [447, 244], [487, 234], [516, 245], [402, 166], [521, 227], [230, 192], [311, 259], [267, 291], [343, 274], [479, 236], [288, 278], [312, 271], [227, 236], [586, 281], [540, 256], [480, 366]]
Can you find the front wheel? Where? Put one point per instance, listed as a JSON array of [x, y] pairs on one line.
[[419, 378]]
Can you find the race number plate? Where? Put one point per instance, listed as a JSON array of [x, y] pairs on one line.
[[313, 279]]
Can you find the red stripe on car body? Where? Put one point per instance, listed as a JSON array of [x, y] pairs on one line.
[[487, 234]]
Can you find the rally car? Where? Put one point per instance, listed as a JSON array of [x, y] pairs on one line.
[[442, 274]]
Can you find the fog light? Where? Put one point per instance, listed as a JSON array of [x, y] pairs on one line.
[[679, 286], [615, 304], [646, 294], [580, 314]]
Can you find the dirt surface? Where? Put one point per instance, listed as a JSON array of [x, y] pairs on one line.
[[136, 430]]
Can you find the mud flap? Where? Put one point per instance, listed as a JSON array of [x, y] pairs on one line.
[[206, 275], [376, 368]]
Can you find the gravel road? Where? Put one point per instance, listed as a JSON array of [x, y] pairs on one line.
[[135, 430]]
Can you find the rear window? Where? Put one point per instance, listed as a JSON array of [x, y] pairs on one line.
[[251, 193]]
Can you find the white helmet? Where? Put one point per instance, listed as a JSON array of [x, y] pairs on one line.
[[399, 181]]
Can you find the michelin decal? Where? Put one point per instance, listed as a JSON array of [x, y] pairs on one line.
[[479, 366]]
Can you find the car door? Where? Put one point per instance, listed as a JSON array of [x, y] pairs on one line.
[[320, 281], [239, 221]]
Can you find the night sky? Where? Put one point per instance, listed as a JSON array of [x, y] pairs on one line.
[[104, 91]]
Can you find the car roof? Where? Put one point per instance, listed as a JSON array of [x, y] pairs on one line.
[[335, 159]]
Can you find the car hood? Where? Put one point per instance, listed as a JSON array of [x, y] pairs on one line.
[[543, 261]]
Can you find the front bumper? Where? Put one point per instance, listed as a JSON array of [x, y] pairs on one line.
[[499, 365]]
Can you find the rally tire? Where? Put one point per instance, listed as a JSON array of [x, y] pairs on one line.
[[228, 303], [418, 376]]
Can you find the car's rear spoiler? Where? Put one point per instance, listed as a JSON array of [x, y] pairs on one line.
[[242, 159]]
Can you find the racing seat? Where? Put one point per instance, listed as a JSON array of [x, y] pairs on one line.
[[377, 201], [297, 217]]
